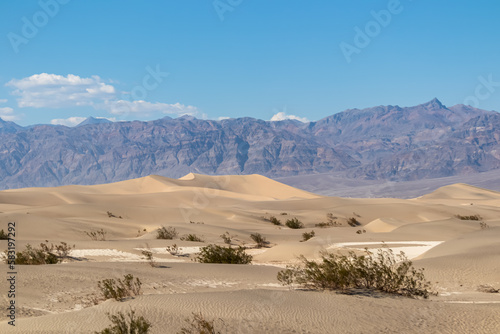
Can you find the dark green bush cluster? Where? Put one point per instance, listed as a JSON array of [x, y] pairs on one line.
[[472, 217], [294, 223], [275, 221], [191, 237], [353, 222], [383, 272], [44, 255], [259, 239], [126, 324], [167, 233], [119, 289], [218, 254], [199, 325], [308, 235]]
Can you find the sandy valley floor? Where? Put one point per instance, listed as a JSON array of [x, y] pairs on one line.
[[458, 256]]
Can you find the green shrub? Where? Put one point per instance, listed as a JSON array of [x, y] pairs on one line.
[[199, 325], [3, 235], [259, 239], [383, 272], [275, 221], [167, 233], [119, 289], [126, 324], [192, 237], [218, 254], [294, 223], [307, 235], [353, 222], [472, 217]]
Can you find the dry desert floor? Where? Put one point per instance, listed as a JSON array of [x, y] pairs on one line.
[[459, 256]]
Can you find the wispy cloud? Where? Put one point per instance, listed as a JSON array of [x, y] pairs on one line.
[[71, 121], [56, 91], [7, 113], [281, 116]]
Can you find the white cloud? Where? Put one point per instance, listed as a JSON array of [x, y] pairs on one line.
[[124, 107], [7, 114], [3, 100], [281, 116], [223, 118], [57, 91], [71, 121]]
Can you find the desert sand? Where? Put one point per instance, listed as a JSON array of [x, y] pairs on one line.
[[458, 256]]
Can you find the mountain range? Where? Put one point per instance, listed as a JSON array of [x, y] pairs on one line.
[[380, 143]]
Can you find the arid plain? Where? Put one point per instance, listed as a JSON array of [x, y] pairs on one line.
[[459, 256]]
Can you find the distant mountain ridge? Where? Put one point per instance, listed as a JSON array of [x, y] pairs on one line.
[[384, 142]]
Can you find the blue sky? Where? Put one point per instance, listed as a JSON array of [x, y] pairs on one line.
[[235, 58]]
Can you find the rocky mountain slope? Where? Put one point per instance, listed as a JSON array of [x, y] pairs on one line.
[[386, 142]]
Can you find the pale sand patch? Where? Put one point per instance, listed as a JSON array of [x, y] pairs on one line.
[[411, 252]]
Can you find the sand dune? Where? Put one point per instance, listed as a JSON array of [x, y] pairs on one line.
[[458, 255]]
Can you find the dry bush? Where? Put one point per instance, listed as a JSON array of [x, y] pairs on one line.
[[99, 235], [259, 239], [119, 289], [307, 235], [192, 237], [275, 221], [471, 217], [294, 223], [199, 325], [353, 222], [44, 255], [126, 324], [167, 233], [383, 272], [218, 254]]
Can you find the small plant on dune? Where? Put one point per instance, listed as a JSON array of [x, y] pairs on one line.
[[330, 221], [148, 256], [227, 238], [219, 254], [275, 221], [259, 239], [3, 235], [383, 272], [294, 223], [99, 235], [307, 235], [192, 237], [32, 256], [283, 213], [173, 250], [487, 289], [471, 217], [119, 289], [199, 325], [167, 233], [353, 222], [111, 215], [126, 324], [360, 231], [483, 225], [61, 251], [193, 222]]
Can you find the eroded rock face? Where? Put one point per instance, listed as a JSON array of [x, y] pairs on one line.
[[387, 142]]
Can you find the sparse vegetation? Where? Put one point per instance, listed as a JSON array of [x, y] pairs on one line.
[[173, 250], [3, 235], [227, 238], [353, 222], [483, 225], [294, 223], [167, 233], [199, 325], [44, 255], [487, 289], [259, 239], [218, 254], [192, 237], [383, 272], [111, 215], [119, 289], [283, 213], [126, 324], [275, 221], [99, 235], [307, 235], [193, 222], [148, 255], [472, 217], [360, 231]]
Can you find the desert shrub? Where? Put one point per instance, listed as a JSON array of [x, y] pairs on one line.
[[119, 289], [308, 235], [218, 254], [275, 221], [111, 215], [99, 235], [199, 325], [259, 239], [191, 237], [148, 256], [360, 231], [3, 235], [353, 222], [472, 217], [283, 213], [487, 289], [226, 237], [483, 225], [173, 250], [44, 255], [328, 224], [168, 233], [127, 324], [383, 272], [193, 222], [294, 223]]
